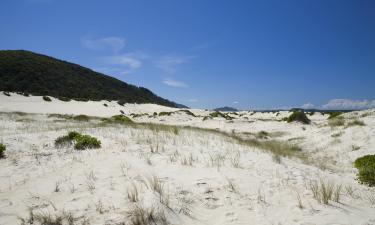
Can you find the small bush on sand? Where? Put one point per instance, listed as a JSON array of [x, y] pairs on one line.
[[81, 99], [334, 114], [81, 118], [86, 142], [121, 119], [336, 121], [64, 99], [165, 113], [356, 123], [6, 93], [80, 141], [298, 116], [2, 151], [105, 105], [47, 99], [366, 169]]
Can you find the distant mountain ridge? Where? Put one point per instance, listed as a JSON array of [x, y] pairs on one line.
[[37, 74], [226, 109]]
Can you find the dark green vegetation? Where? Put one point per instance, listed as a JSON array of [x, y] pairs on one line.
[[119, 119], [220, 114], [64, 99], [366, 168], [6, 93], [334, 114], [298, 116], [46, 98], [80, 141], [356, 123], [24, 71], [2, 151]]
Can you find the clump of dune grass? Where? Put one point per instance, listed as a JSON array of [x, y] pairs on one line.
[[80, 141], [355, 122], [366, 169], [6, 93], [64, 99], [325, 191], [334, 114], [118, 119], [2, 151], [81, 118], [165, 113], [47, 99], [298, 116], [336, 121]]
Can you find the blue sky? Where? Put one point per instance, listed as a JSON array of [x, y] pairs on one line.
[[210, 53]]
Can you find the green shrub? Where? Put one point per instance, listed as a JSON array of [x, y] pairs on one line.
[[64, 99], [366, 168], [86, 142], [63, 141], [80, 141], [121, 119], [298, 116], [334, 114], [165, 113], [356, 123], [2, 151], [336, 121], [105, 105], [206, 118], [25, 94], [188, 112], [46, 98], [122, 112], [6, 93], [217, 114], [81, 118]]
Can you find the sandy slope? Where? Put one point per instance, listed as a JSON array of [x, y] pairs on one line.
[[205, 178]]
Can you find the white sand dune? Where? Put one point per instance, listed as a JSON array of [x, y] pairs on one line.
[[188, 176]]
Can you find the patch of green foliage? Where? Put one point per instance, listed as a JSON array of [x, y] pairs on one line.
[[188, 112], [2, 150], [298, 116], [81, 99], [366, 168], [47, 99], [80, 141], [206, 118], [165, 113], [220, 114], [86, 142], [81, 118], [336, 121], [356, 123], [334, 114], [64, 99]]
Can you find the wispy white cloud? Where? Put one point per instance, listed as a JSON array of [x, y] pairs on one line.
[[170, 63], [235, 102], [113, 43], [193, 100], [308, 105], [175, 83], [349, 104], [123, 60]]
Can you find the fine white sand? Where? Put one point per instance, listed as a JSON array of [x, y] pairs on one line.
[[183, 176]]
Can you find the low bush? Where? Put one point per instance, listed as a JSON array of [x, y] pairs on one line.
[[356, 123], [81, 118], [336, 121], [122, 112], [121, 119], [64, 99], [298, 116], [366, 169], [2, 151], [47, 99], [86, 142], [6, 93], [165, 113], [334, 114], [105, 105], [188, 112], [80, 141]]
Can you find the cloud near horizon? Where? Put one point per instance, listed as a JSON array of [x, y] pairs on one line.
[[349, 104], [175, 83], [114, 44]]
